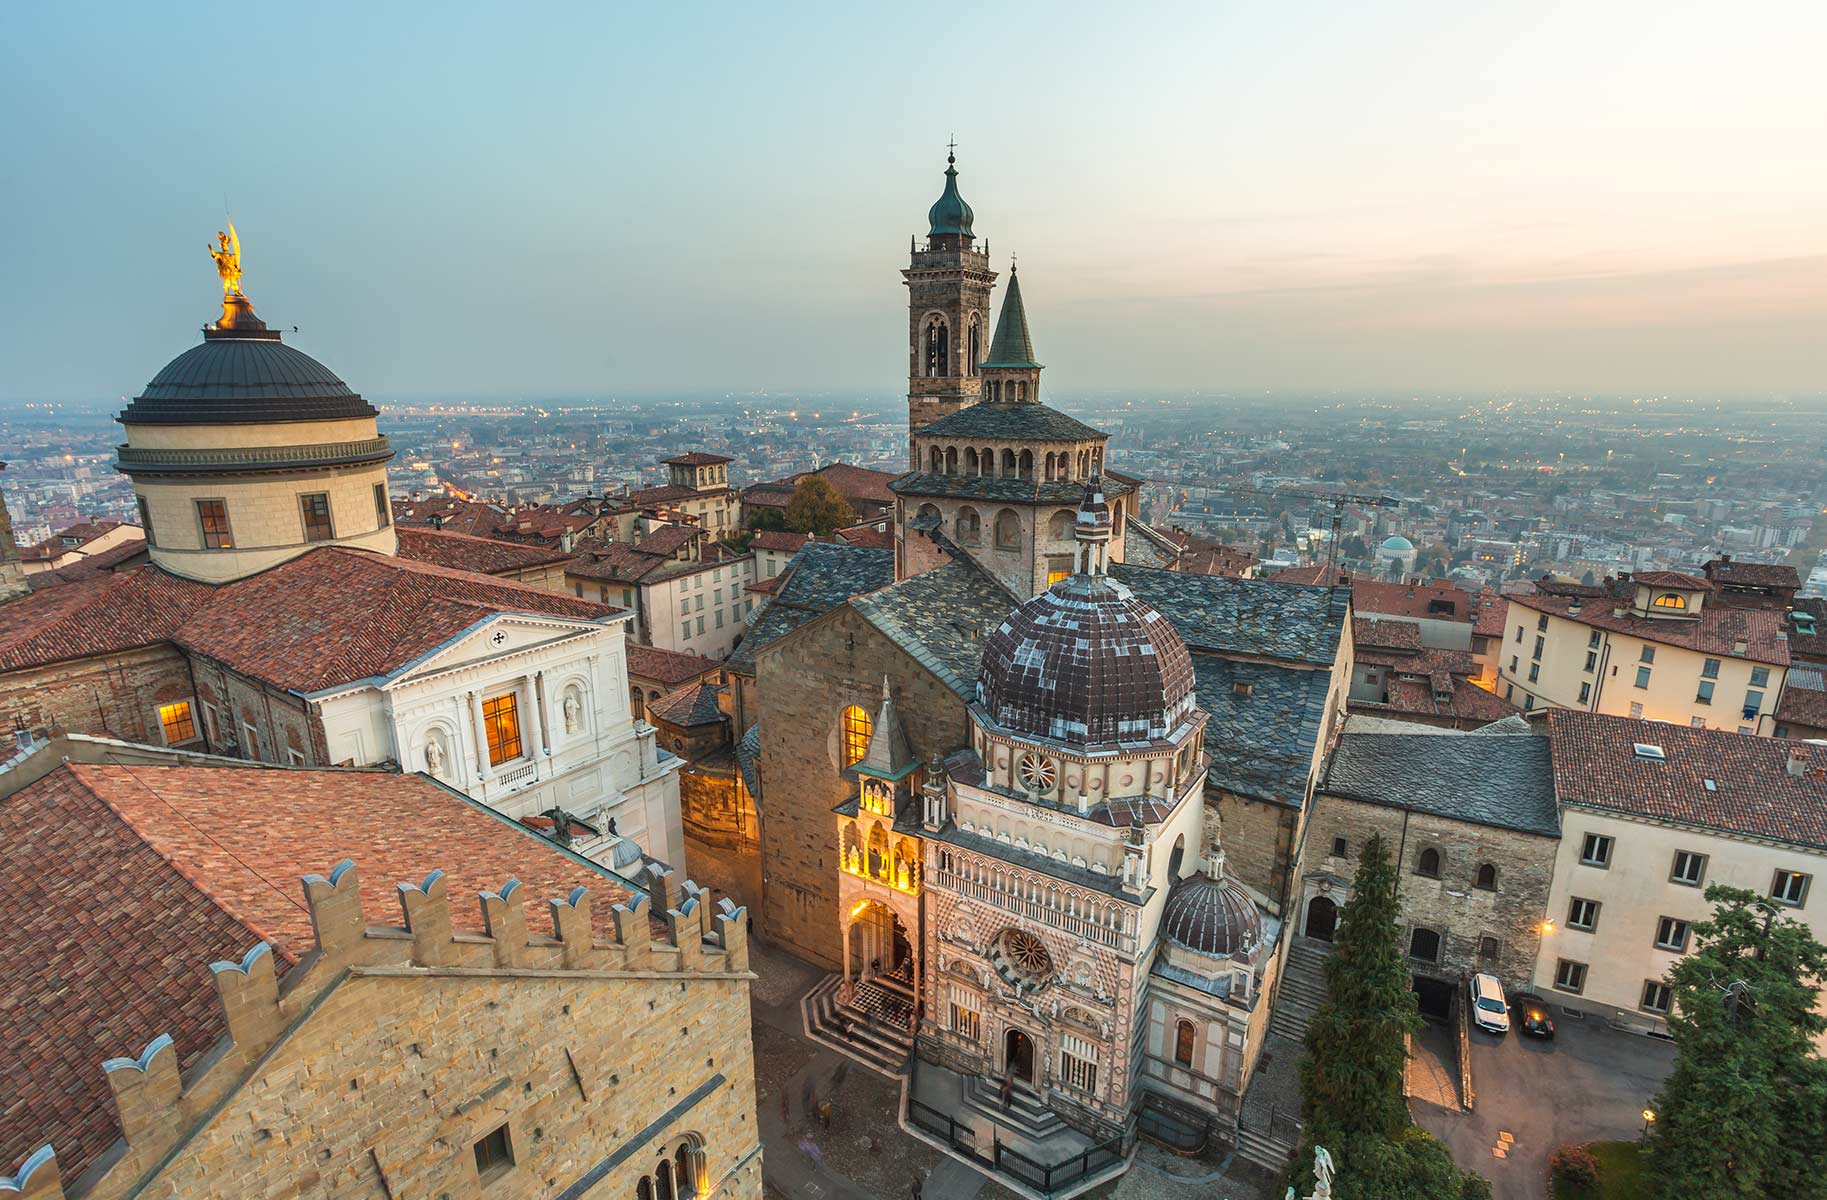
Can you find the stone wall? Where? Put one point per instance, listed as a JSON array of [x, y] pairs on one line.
[[1258, 840], [118, 695], [806, 679], [1453, 905], [288, 734]]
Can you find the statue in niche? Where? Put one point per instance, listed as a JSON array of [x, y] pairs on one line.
[[434, 754], [573, 711]]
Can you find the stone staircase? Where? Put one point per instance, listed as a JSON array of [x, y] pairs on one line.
[[862, 1029], [1267, 1152], [1027, 1115], [1303, 988]]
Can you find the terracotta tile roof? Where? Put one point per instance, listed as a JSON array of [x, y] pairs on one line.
[[104, 614], [131, 553], [766, 586], [1491, 612], [336, 615], [1808, 638], [1308, 575], [866, 535], [1388, 635], [778, 539], [464, 552], [648, 497], [1753, 793], [55, 546], [1727, 571], [1441, 695], [615, 562], [668, 540], [850, 482], [1804, 699], [668, 666], [1716, 631], [1434, 601], [1673, 579], [142, 876], [698, 458]]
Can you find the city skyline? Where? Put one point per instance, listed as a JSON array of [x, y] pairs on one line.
[[718, 202]]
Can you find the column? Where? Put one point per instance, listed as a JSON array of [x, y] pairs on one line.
[[484, 769], [844, 927], [536, 716]]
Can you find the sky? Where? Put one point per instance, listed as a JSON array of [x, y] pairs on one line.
[[546, 200]]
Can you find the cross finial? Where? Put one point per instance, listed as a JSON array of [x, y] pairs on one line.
[[1011, 264]]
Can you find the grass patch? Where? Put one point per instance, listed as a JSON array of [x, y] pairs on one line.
[[1623, 1174]]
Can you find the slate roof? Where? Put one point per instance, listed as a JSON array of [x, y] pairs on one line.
[[1013, 345], [667, 666], [690, 706], [230, 380], [1243, 616], [820, 577], [142, 876], [1261, 744], [940, 618], [1503, 782], [1146, 547], [1018, 422], [1596, 766], [748, 761], [464, 552]]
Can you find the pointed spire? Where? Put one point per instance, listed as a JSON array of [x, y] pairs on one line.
[[1092, 530], [1012, 346], [888, 755]]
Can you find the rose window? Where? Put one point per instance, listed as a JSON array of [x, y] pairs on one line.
[[1037, 772], [1021, 958]]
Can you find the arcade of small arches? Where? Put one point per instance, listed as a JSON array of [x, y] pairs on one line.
[[1077, 911], [875, 855], [679, 1173], [987, 462]]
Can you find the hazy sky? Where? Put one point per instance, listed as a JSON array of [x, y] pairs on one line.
[[483, 200]]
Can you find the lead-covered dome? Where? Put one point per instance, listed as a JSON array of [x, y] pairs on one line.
[[1215, 917], [1087, 662], [242, 374], [950, 214]]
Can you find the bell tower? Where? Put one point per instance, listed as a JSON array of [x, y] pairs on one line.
[[948, 300]]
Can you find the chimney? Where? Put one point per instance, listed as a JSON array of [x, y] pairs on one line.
[[1797, 765], [22, 737], [437, 520]]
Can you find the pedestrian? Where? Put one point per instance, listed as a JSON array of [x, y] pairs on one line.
[[1008, 1090], [824, 1113], [917, 1188]]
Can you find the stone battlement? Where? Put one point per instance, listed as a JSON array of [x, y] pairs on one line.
[[158, 1109]]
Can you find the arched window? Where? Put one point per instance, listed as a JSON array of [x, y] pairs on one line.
[[663, 1181], [1424, 944], [951, 460], [1487, 877], [1183, 1043], [857, 726], [1174, 859], [635, 702], [1429, 863], [1008, 464], [1008, 529], [878, 853], [1673, 600], [969, 529], [685, 1172], [990, 390], [976, 344], [938, 349], [1059, 525], [644, 1189], [851, 847], [938, 460], [970, 461], [1027, 464]]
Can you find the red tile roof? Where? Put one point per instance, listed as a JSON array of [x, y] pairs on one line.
[[1446, 696], [103, 614], [1490, 612], [1417, 601], [1717, 630], [1673, 579], [1367, 632], [88, 566], [782, 540], [850, 482], [55, 547], [866, 535], [465, 552], [670, 667], [1753, 794], [1728, 571], [698, 458], [142, 876], [648, 497]]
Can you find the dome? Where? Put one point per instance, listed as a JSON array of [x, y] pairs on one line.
[[1211, 916], [1398, 543], [1087, 662], [950, 214], [244, 376]]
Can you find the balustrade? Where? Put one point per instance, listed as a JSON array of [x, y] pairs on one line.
[[1056, 915]]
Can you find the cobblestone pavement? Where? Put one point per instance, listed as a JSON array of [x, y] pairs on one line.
[[1433, 1067], [1159, 1174]]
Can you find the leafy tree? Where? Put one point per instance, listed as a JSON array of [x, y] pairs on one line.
[[1351, 1075], [767, 518], [817, 508], [1747, 1081], [1355, 547]]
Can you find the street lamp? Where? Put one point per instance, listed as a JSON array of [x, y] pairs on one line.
[[1649, 1118]]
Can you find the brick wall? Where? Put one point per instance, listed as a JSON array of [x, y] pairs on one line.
[[116, 696]]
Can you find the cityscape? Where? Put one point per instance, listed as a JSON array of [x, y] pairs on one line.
[[464, 745]]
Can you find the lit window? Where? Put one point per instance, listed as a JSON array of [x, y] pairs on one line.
[[501, 723], [1183, 1043], [1790, 887], [1671, 600], [315, 507], [180, 725], [1054, 577], [857, 727], [213, 515]]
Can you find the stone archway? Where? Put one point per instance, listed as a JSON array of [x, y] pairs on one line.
[[1322, 918], [876, 942], [1018, 1056]]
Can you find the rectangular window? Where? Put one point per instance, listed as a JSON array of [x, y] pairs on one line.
[[1528, 703], [178, 722], [1790, 887], [1535, 672], [145, 520], [1643, 677], [1710, 669], [1340, 848], [1689, 869], [1539, 643], [1519, 633], [383, 512], [1585, 692], [1514, 660], [1760, 677], [1671, 934], [501, 723], [1754, 703], [685, 629], [315, 506], [1570, 976], [213, 516], [1583, 914], [1595, 851], [1648, 655], [1078, 1063], [1636, 709], [719, 618], [684, 584], [698, 603], [1592, 639], [1656, 996], [494, 1154], [250, 742], [1705, 694], [1592, 660], [295, 757], [1509, 690], [700, 624], [1541, 623], [967, 1021]]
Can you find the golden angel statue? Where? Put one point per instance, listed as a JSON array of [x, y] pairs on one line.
[[227, 253]]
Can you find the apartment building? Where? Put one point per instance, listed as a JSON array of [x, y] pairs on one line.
[[1651, 815], [1662, 645]]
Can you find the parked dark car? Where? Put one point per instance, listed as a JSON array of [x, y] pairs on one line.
[[1529, 1013]]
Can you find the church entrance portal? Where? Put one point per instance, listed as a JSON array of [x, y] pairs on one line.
[[877, 944], [1322, 918], [1018, 1056]]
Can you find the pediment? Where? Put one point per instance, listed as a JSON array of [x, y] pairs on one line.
[[495, 637]]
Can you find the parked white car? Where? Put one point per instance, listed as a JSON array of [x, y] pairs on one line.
[[1489, 1011]]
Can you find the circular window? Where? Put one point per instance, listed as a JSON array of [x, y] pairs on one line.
[[1021, 958], [1037, 772]]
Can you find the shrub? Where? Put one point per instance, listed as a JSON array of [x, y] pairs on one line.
[[1574, 1167]]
